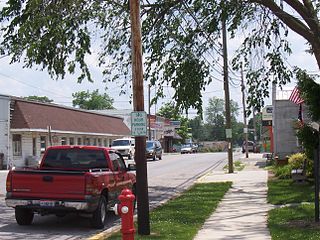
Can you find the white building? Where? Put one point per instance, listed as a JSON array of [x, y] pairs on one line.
[[27, 128]]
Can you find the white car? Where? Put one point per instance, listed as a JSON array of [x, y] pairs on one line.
[[125, 146], [189, 148]]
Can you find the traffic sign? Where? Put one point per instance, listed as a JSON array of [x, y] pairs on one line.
[[139, 123]]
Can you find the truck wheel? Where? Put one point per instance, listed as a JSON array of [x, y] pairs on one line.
[[99, 215], [24, 216], [160, 157]]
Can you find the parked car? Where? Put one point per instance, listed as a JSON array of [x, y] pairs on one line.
[[251, 147], [125, 146], [189, 148], [153, 150]]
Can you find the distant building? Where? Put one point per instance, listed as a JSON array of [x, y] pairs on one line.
[[285, 118], [27, 128]]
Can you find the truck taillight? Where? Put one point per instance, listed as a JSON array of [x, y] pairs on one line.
[[9, 182], [89, 188]]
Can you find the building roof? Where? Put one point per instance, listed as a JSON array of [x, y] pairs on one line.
[[36, 115]]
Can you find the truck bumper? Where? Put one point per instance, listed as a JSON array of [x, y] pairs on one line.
[[53, 204]]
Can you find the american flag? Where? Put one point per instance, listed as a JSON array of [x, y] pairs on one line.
[[295, 96]]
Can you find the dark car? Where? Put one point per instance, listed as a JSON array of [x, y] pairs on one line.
[[251, 147], [153, 149]]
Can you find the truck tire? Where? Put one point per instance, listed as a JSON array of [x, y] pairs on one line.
[[100, 214], [24, 216]]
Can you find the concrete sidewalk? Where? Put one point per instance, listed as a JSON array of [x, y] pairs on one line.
[[242, 214]]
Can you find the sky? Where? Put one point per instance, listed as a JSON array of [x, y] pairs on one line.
[[18, 81]]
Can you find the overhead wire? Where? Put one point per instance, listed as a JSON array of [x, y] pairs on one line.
[[208, 38]]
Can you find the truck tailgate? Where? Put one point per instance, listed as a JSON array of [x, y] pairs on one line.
[[48, 184]]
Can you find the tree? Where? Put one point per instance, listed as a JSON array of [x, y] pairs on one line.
[[43, 99], [198, 129], [92, 101], [215, 117], [178, 35], [169, 111]]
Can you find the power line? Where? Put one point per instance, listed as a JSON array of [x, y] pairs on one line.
[[32, 86]]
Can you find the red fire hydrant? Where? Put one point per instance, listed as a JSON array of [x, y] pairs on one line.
[[125, 210]]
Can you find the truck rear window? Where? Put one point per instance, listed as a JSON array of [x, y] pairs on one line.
[[74, 159]]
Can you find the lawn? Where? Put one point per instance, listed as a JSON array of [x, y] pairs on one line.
[[295, 222], [182, 217], [237, 166], [283, 191]]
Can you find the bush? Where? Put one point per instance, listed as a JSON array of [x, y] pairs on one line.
[[296, 161]]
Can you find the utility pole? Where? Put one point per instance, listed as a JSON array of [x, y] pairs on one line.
[[244, 114], [138, 105], [227, 96], [254, 125], [149, 105]]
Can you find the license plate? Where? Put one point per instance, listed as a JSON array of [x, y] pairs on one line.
[[47, 203]]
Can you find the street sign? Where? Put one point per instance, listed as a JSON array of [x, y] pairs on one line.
[[139, 123], [267, 113], [175, 123], [228, 133]]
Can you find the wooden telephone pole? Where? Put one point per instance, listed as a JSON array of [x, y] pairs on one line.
[[227, 96], [138, 105]]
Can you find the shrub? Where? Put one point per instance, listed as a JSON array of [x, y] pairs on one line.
[[296, 161]]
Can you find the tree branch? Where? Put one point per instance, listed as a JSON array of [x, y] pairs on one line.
[[292, 22], [313, 18]]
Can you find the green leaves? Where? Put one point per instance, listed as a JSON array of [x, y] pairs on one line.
[[310, 92], [181, 42], [92, 101], [52, 34]]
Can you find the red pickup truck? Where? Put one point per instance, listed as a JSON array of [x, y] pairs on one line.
[[82, 179]]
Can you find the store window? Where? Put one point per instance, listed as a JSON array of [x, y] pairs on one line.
[[71, 141], [16, 144], [79, 141], [63, 141], [94, 142], [43, 143], [87, 141]]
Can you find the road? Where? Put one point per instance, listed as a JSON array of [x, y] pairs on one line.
[[166, 177]]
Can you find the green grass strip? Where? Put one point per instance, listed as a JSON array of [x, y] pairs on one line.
[[283, 191], [182, 217], [293, 223]]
